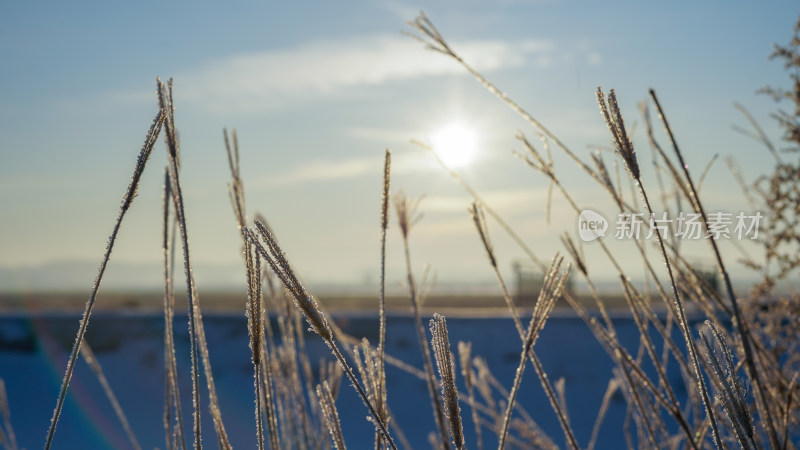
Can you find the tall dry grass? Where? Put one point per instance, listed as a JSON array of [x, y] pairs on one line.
[[740, 381]]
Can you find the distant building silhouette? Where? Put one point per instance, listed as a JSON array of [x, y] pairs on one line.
[[707, 277], [528, 282]]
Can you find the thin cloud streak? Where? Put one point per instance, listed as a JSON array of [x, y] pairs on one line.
[[317, 171], [258, 80], [503, 200], [272, 79], [321, 170], [382, 134]]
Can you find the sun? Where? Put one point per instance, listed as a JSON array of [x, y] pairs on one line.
[[455, 144]]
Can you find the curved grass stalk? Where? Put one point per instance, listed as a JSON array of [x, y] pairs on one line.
[[539, 164], [551, 290], [174, 434], [380, 396], [198, 345], [434, 41], [616, 125], [407, 217], [744, 334], [91, 360], [331, 415], [127, 200], [255, 329], [308, 306], [447, 374]]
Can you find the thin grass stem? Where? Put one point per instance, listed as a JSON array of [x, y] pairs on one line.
[[127, 200], [744, 335]]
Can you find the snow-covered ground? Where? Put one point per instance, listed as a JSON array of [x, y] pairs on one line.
[[33, 353]]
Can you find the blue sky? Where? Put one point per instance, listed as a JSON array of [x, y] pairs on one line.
[[318, 90]]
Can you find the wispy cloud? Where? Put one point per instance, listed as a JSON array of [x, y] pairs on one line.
[[502, 200], [321, 170], [384, 135], [318, 171], [276, 78], [448, 215], [258, 80]]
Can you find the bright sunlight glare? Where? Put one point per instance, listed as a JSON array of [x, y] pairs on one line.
[[455, 144]]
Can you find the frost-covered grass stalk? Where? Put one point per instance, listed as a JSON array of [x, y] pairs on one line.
[[127, 200]]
